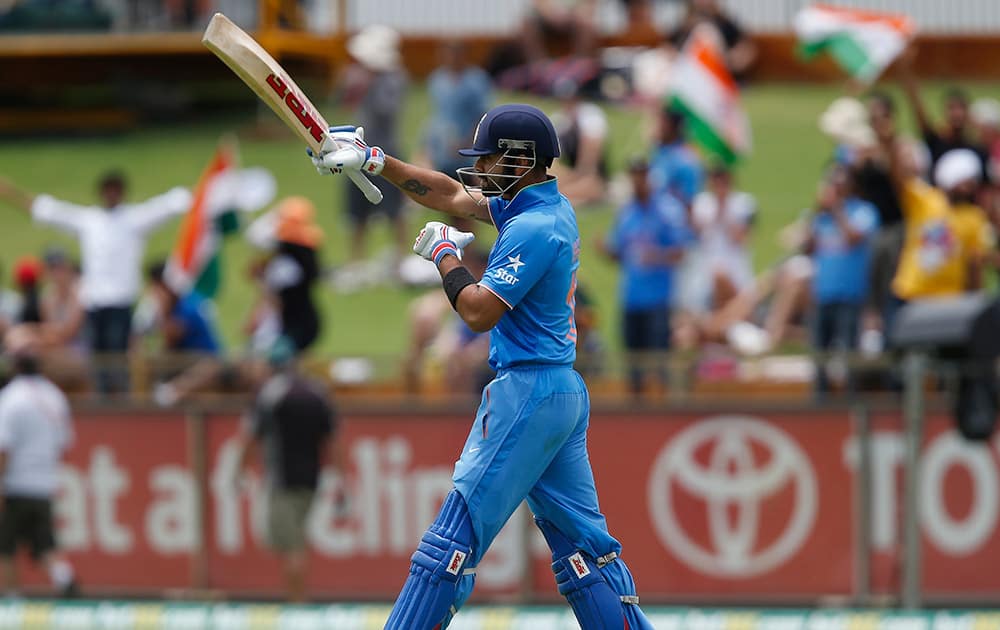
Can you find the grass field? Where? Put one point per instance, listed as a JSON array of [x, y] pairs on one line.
[[789, 153]]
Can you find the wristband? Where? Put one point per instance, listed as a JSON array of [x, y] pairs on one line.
[[454, 281], [442, 249]]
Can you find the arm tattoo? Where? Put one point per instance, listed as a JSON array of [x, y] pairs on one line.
[[416, 187]]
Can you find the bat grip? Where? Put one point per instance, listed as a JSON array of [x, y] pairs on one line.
[[371, 192]]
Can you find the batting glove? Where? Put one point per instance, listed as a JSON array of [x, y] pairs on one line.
[[344, 147], [437, 240]]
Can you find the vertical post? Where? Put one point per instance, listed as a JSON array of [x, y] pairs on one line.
[[527, 524], [197, 450], [914, 373], [862, 506]]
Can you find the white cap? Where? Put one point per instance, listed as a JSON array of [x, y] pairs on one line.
[[957, 166], [846, 122], [376, 47], [986, 112]]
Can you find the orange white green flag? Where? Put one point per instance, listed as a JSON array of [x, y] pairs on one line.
[[222, 189], [703, 89], [863, 43]]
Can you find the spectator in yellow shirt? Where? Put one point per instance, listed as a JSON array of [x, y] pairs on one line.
[[947, 235]]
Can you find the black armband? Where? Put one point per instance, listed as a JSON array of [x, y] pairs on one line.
[[454, 281]]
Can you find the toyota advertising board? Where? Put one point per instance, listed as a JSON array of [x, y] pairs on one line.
[[747, 507]]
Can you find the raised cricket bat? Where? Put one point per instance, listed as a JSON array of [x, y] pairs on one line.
[[268, 80]]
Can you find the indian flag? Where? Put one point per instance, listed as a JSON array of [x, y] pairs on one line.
[[702, 88], [194, 264], [863, 43]]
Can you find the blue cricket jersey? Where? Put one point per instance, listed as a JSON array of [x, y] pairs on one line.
[[657, 223], [532, 268], [196, 314], [841, 270]]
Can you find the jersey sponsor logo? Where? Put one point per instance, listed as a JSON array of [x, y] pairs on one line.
[[579, 565], [506, 273], [515, 262], [456, 562], [503, 275]]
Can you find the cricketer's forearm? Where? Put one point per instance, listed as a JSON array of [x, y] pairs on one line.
[[433, 189]]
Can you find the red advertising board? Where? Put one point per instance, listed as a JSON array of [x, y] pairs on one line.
[[722, 505], [126, 512], [399, 472], [959, 490], [747, 507]]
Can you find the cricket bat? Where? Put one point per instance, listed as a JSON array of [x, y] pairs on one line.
[[271, 83]]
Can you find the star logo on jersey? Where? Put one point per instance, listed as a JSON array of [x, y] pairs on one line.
[[515, 262]]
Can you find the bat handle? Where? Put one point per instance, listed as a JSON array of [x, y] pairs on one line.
[[372, 193]]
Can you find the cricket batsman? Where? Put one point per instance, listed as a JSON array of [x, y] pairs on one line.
[[529, 439]]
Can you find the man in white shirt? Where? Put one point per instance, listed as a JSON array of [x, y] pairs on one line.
[[35, 431], [719, 267], [112, 239]]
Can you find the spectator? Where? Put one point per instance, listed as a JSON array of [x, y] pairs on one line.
[[582, 167], [63, 316], [839, 243], [761, 317], [375, 87], [262, 325], [294, 269], [674, 167], [946, 234], [261, 329], [435, 329], [722, 219], [112, 238], [460, 94], [985, 115], [640, 18], [740, 49], [294, 419], [10, 306], [28, 280], [873, 183], [956, 132], [186, 321], [563, 22], [35, 432], [845, 121], [648, 243], [61, 333], [590, 351]]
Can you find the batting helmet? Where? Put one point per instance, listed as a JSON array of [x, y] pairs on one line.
[[518, 122]]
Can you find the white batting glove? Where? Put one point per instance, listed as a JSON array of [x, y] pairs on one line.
[[437, 240], [345, 148]]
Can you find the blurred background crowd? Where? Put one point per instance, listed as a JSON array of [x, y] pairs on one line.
[[901, 211]]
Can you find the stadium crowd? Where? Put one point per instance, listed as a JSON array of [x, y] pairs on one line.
[[895, 218]]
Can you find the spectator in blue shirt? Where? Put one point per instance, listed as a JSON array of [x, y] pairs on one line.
[[460, 94], [839, 242], [648, 240], [187, 322], [674, 167]]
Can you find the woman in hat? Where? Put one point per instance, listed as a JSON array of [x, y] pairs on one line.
[[294, 269]]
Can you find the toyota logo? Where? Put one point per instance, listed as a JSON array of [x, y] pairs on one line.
[[731, 465]]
